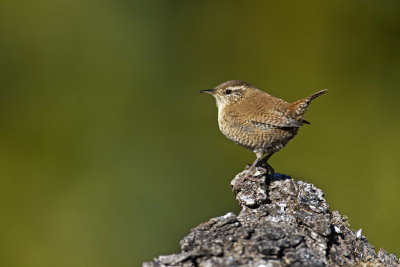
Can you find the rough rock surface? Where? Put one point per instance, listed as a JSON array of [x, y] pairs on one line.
[[283, 222]]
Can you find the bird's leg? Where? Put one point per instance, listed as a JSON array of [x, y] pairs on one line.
[[254, 164], [264, 162], [270, 170], [259, 156]]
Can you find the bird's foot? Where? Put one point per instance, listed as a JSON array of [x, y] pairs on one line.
[[251, 174], [250, 178], [247, 176], [270, 170]]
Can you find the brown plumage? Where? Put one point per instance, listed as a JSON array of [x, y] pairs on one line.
[[256, 120]]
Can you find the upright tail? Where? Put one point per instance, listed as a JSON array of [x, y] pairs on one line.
[[300, 107], [317, 94]]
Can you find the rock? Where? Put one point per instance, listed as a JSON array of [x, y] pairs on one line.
[[283, 222]]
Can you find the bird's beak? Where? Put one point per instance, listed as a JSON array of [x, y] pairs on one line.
[[209, 91]]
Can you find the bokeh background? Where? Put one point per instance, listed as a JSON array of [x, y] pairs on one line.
[[109, 155]]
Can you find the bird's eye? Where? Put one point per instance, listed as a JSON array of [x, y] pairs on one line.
[[228, 92]]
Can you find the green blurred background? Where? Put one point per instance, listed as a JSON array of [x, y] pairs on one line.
[[109, 155]]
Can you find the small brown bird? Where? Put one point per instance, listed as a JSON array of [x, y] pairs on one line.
[[256, 120]]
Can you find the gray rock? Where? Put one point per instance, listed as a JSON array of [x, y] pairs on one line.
[[283, 222]]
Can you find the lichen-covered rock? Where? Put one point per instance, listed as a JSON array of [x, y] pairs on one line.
[[283, 222]]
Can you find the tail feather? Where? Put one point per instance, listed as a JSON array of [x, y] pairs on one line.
[[300, 107], [317, 94]]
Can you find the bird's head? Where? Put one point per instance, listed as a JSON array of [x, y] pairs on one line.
[[229, 92]]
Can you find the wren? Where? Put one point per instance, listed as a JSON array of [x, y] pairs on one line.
[[256, 120]]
